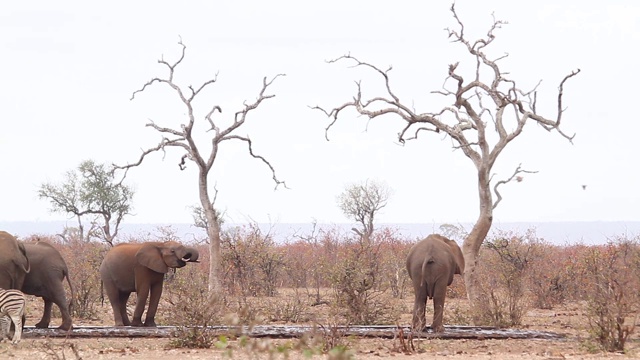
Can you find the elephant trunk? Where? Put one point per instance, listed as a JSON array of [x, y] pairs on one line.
[[190, 255]]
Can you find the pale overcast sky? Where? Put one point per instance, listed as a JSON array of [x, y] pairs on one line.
[[69, 68]]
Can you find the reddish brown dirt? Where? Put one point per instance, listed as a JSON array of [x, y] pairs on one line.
[[567, 319]]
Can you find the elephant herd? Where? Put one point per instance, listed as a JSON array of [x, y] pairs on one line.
[[38, 269]]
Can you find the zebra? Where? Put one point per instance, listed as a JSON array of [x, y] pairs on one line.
[[12, 304]]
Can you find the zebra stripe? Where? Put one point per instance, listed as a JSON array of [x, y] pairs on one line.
[[5, 326], [12, 304]]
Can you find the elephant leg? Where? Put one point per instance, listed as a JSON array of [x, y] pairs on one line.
[[143, 294], [115, 297], [154, 299], [46, 314], [61, 301], [439, 295], [419, 308], [123, 299]]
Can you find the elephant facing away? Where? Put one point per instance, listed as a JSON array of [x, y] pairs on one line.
[[45, 280], [140, 268], [431, 264], [14, 264]]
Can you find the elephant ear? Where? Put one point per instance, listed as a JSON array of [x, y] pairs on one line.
[[26, 264], [149, 256], [457, 255]]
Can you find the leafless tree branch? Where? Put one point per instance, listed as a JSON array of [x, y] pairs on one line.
[[195, 92], [250, 147], [183, 137], [171, 67], [210, 121], [518, 100], [515, 176]]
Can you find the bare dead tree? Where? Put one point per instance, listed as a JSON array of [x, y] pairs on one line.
[[182, 137], [478, 107]]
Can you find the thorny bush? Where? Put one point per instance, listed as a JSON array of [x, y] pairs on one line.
[[252, 261], [359, 285], [505, 261], [362, 281], [192, 308], [611, 274], [308, 260]]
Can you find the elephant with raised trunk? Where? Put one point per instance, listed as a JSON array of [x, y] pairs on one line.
[[14, 264], [431, 264], [140, 268], [45, 280]]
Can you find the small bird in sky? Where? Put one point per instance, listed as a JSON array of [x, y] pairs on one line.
[[584, 187]]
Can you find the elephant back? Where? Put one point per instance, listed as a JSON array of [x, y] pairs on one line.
[[14, 264]]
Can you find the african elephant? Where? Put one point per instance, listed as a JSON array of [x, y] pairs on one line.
[[140, 268], [14, 264], [431, 264], [45, 280]]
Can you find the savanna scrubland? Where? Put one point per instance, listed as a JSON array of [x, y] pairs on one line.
[[329, 278]]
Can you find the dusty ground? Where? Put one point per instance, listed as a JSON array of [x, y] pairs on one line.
[[568, 320]]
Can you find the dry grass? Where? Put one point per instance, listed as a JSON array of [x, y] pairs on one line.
[[567, 319], [544, 286]]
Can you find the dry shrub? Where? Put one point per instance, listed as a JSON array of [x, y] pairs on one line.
[[298, 269], [252, 261], [573, 268], [611, 272], [309, 260], [333, 341], [549, 276], [457, 289], [191, 308], [503, 267], [392, 258], [83, 260], [457, 313], [358, 283], [289, 308], [353, 280]]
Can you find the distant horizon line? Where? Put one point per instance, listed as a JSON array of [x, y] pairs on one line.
[[342, 222], [576, 231]]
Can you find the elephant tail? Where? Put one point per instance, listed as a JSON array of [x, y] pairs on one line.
[[101, 293], [71, 300], [428, 261]]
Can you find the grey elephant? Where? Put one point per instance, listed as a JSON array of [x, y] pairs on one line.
[[140, 268], [431, 264], [14, 264], [45, 280]]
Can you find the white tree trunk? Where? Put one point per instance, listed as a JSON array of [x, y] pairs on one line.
[[473, 242], [215, 258], [213, 233]]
